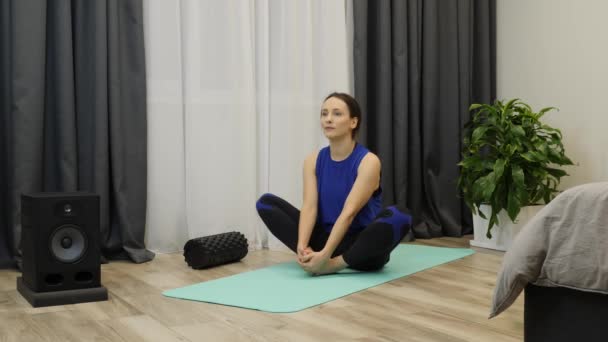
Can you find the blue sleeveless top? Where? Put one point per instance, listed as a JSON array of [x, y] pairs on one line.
[[335, 179]]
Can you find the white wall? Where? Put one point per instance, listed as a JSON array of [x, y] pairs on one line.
[[554, 53]]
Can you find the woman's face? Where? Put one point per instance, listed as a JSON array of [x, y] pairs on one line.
[[335, 119]]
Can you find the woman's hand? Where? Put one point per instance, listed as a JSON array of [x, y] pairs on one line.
[[314, 262], [303, 251]]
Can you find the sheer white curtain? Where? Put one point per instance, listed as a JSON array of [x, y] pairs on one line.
[[234, 91]]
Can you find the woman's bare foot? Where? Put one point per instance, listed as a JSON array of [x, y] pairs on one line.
[[333, 265]]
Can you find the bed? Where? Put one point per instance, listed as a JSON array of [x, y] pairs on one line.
[[560, 261]]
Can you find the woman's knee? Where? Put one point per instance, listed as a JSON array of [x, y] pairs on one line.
[[366, 264], [399, 220], [265, 202], [394, 213]]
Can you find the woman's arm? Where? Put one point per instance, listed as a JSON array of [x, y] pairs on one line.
[[368, 180], [308, 214]]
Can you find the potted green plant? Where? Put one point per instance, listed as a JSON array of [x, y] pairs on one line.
[[510, 160]]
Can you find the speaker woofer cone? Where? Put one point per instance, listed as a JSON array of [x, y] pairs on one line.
[[68, 243]]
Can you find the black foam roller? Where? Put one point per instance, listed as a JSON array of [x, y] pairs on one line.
[[215, 250]]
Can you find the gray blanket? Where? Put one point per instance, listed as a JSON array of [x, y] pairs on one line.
[[565, 244]]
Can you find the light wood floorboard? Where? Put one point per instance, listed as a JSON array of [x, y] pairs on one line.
[[450, 302]]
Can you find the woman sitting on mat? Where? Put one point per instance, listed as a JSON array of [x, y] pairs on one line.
[[341, 223]]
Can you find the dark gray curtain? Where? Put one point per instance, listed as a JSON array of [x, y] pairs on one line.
[[5, 231], [419, 64], [73, 105]]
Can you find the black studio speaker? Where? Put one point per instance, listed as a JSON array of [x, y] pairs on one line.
[[60, 249]]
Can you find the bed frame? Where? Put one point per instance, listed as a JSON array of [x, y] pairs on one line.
[[559, 314]]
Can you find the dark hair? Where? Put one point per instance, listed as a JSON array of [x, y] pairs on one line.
[[353, 108]]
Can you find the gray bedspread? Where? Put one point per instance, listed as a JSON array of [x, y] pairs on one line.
[[565, 244]]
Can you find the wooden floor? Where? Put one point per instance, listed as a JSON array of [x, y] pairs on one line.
[[446, 303]]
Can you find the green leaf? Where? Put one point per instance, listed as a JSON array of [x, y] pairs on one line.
[[479, 133], [557, 173], [518, 131], [475, 106], [566, 161], [511, 103], [547, 196], [544, 110], [517, 196], [529, 156], [480, 213], [492, 223], [540, 157], [499, 168], [484, 187]]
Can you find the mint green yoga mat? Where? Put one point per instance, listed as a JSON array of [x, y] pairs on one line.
[[286, 287]]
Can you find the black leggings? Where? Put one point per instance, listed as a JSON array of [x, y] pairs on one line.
[[366, 250]]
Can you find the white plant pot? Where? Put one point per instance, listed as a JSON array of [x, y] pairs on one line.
[[504, 233]]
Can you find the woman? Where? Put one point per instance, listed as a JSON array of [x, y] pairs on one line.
[[341, 223]]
